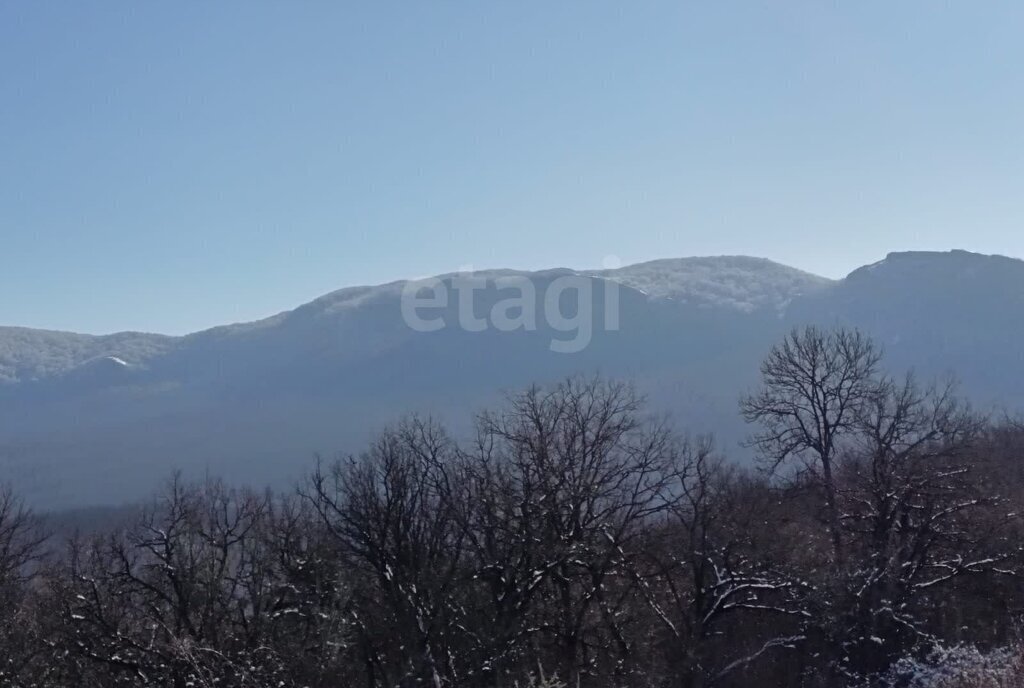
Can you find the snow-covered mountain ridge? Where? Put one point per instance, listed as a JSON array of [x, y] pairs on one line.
[[740, 282], [732, 282], [94, 420]]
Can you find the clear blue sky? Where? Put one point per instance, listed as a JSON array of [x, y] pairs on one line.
[[172, 166]]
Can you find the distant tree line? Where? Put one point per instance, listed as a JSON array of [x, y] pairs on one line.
[[572, 540]]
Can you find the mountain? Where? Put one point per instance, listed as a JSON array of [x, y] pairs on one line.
[[734, 282], [99, 420]]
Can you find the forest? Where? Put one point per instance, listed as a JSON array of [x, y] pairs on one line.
[[575, 538]]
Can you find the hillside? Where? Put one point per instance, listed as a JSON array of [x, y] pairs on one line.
[[96, 420]]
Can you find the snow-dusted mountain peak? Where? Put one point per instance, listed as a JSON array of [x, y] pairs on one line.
[[740, 283]]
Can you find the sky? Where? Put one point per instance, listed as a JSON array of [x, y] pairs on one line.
[[168, 167]]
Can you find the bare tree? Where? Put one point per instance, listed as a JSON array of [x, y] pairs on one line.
[[712, 578], [918, 514], [573, 476], [169, 600], [815, 384], [21, 549], [392, 513]]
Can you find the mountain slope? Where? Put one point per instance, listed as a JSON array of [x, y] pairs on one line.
[[27, 355], [954, 313], [87, 420], [739, 282]]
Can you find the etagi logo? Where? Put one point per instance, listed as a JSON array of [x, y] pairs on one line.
[[563, 304]]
